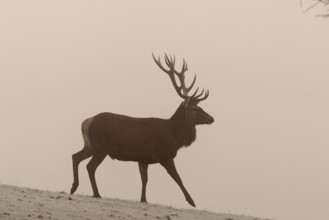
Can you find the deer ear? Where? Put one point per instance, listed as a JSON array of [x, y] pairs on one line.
[[194, 102]]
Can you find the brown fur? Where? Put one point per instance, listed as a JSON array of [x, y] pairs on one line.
[[143, 140]]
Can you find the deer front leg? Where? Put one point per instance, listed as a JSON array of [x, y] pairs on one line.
[[171, 169], [143, 172]]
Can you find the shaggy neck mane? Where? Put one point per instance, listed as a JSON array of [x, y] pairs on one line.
[[184, 130]]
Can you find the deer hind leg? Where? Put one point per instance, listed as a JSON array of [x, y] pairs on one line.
[[171, 169], [76, 159], [143, 171], [91, 167]]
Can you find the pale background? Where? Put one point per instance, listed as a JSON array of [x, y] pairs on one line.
[[264, 62]]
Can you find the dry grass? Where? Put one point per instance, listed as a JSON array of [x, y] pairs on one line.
[[23, 203]]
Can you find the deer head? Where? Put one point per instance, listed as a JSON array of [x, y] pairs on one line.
[[189, 109]]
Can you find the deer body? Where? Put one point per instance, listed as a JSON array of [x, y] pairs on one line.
[[143, 140], [128, 139]]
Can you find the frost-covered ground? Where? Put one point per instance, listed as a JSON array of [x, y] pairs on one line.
[[24, 203]]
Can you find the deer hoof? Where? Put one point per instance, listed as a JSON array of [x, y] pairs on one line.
[[73, 189], [191, 202]]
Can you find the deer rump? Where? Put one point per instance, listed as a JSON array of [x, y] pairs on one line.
[[145, 140]]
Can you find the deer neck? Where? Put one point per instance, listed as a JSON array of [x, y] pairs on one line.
[[184, 130]]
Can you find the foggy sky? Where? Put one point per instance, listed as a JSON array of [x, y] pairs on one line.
[[264, 62]]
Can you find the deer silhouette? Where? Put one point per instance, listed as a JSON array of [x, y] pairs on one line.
[[144, 140]]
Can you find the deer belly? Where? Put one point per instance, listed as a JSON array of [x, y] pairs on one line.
[[140, 154]]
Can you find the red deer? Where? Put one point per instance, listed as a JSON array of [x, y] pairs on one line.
[[144, 140]]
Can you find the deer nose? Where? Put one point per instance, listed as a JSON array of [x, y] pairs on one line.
[[211, 120]]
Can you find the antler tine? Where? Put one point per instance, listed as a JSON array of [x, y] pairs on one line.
[[158, 62], [184, 69], [206, 96], [197, 96], [181, 76], [173, 60], [170, 62], [196, 91], [201, 99], [192, 84], [184, 65]]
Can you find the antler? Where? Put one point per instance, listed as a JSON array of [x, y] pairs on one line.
[[182, 90]]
